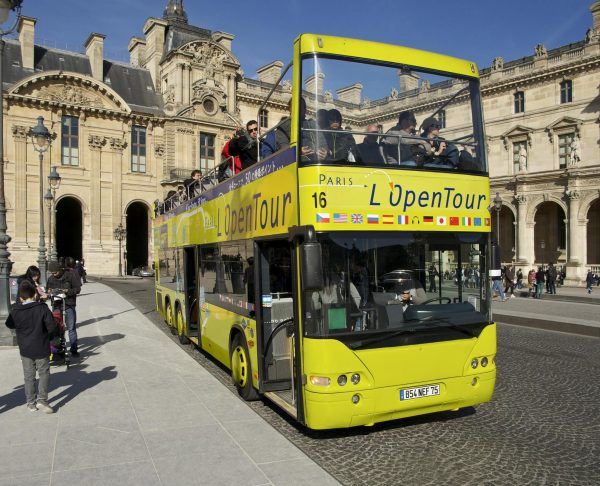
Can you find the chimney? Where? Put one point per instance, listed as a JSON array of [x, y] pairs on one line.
[[136, 49], [270, 73], [350, 94], [408, 80], [595, 9], [314, 84], [223, 38], [94, 50], [26, 31]]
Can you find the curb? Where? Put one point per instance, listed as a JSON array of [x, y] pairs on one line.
[[547, 325]]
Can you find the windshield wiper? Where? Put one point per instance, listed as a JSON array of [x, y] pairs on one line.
[[377, 339], [447, 325]]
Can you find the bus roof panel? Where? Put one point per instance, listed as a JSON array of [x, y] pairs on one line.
[[342, 46]]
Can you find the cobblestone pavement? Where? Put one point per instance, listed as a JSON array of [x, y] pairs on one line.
[[542, 426]]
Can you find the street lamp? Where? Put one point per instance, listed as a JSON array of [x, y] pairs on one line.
[[120, 233], [41, 138], [6, 337], [54, 181]]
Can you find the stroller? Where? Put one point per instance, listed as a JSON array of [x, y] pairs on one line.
[[59, 353]]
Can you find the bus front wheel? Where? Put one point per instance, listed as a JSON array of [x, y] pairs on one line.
[[183, 339], [241, 370]]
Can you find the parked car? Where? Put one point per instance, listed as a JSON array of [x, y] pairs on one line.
[[143, 272]]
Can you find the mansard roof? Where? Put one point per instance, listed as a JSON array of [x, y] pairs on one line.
[[180, 34], [133, 84]]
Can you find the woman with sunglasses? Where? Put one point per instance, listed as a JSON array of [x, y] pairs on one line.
[[441, 154]]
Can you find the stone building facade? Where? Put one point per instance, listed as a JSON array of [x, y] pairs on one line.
[[128, 133]]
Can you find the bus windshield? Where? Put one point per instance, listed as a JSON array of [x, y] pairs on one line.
[[374, 114], [388, 282]]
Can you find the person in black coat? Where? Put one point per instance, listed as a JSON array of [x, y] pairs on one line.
[[341, 144], [34, 325], [244, 145]]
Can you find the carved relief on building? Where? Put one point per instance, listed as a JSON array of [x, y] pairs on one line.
[[211, 57], [520, 199], [96, 142], [20, 132], [71, 95], [117, 144], [159, 150]]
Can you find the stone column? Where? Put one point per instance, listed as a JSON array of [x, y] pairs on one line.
[[179, 85], [230, 94], [187, 83], [117, 146], [575, 240], [96, 142], [524, 233], [20, 213]]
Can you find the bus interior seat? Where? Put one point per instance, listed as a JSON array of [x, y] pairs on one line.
[[389, 310]]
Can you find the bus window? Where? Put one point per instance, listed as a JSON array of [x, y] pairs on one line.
[[366, 277], [343, 97]]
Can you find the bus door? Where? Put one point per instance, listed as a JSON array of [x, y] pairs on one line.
[[191, 292], [275, 319]]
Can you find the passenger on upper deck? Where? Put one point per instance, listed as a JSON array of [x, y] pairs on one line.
[[369, 151], [441, 154], [313, 144], [193, 184], [341, 145], [411, 149], [244, 144]]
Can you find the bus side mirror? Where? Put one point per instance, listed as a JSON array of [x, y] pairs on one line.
[[312, 266]]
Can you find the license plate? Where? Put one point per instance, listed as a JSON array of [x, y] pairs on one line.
[[419, 392]]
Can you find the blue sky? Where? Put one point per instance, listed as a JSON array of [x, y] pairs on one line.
[[477, 30]]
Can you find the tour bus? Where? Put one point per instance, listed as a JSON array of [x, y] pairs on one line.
[[348, 286]]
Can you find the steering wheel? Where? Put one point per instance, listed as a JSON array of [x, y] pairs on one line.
[[438, 299]]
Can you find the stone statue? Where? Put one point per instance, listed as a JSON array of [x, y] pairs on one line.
[[540, 50], [394, 93], [497, 64], [522, 159], [575, 155], [328, 96]]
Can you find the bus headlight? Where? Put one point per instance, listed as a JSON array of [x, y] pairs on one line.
[[320, 380], [474, 363], [484, 361], [342, 380], [355, 379]]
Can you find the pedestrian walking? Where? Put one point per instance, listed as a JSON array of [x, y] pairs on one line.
[[531, 282], [589, 281], [34, 325], [497, 286], [433, 273], [540, 281], [509, 279], [551, 277], [71, 282]]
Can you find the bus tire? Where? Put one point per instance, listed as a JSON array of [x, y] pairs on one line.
[[169, 317], [241, 369], [180, 327]]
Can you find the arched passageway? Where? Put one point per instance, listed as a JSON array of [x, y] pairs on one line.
[[550, 233], [507, 233], [69, 228], [593, 234], [138, 225]]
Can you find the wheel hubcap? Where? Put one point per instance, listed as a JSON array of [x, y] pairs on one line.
[[238, 366]]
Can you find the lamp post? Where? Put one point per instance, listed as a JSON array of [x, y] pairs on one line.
[[6, 337], [49, 199], [41, 138], [120, 233], [54, 181]]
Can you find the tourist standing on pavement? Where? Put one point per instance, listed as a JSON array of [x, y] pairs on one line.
[[497, 286], [589, 281], [540, 282], [551, 276], [531, 282], [34, 324], [71, 283], [519, 279], [509, 279]]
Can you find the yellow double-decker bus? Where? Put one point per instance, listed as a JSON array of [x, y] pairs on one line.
[[344, 276]]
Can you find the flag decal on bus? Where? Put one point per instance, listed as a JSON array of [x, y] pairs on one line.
[[454, 221], [340, 218], [372, 219], [427, 219], [476, 221], [467, 221], [357, 219], [322, 217], [388, 219], [442, 221], [402, 219]]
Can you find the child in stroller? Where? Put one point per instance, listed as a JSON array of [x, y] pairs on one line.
[[58, 346]]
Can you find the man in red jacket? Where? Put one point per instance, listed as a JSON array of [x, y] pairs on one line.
[[34, 324]]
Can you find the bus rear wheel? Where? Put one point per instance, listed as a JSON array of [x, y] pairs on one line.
[[241, 370], [169, 319], [183, 339]]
